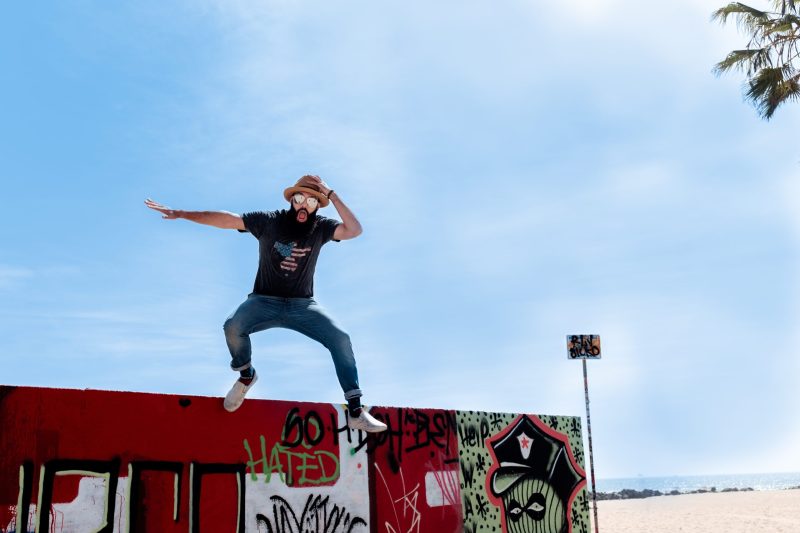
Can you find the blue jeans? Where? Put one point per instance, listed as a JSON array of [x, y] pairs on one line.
[[303, 315]]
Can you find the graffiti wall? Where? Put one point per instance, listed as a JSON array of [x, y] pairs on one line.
[[97, 461]]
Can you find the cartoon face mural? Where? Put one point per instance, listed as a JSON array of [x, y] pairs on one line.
[[532, 505], [534, 478]]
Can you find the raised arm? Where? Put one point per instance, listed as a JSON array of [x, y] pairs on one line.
[[350, 228], [218, 219]]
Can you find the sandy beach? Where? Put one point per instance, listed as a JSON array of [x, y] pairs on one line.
[[730, 512]]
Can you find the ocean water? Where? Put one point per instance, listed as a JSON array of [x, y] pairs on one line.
[[692, 483]]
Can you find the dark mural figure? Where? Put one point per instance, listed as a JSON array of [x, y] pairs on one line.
[[534, 479]]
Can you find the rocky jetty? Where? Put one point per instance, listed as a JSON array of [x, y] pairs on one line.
[[631, 494]]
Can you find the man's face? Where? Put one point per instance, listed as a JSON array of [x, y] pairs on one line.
[[304, 205]]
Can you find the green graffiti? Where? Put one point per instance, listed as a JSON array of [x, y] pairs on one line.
[[294, 468]]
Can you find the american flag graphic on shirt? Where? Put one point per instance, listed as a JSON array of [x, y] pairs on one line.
[[290, 254]]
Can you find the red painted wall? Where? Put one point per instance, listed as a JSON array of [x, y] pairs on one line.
[[271, 466]]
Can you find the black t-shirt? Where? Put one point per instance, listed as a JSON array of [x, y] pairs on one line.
[[286, 263]]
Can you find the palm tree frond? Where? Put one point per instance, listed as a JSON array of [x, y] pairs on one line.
[[771, 58], [786, 5], [747, 60], [738, 10], [787, 23], [772, 87]]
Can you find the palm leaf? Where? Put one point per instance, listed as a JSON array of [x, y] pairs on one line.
[[771, 59], [784, 5], [786, 23], [738, 9], [746, 60], [771, 87]]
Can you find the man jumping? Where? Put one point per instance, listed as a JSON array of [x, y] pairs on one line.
[[289, 244]]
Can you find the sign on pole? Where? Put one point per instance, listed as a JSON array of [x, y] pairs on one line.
[[586, 347], [583, 346]]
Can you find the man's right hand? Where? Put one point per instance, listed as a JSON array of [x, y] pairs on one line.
[[165, 211], [218, 219]]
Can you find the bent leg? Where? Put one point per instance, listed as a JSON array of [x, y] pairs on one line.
[[310, 319], [257, 313]]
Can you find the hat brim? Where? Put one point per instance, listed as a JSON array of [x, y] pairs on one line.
[[291, 191], [504, 479]]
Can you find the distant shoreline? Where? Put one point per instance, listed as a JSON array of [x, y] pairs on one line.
[[632, 494]]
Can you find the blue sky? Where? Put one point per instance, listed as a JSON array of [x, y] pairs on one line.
[[522, 170]]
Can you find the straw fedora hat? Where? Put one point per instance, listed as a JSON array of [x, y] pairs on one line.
[[307, 186]]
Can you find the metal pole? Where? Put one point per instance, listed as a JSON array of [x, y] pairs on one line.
[[591, 455]]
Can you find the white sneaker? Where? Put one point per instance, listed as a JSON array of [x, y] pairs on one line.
[[235, 396], [366, 422]]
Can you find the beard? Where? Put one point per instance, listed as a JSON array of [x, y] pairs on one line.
[[293, 228]]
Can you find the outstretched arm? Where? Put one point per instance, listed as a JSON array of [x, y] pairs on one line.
[[218, 219], [350, 227]]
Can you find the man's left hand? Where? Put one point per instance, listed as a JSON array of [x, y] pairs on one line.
[[324, 189]]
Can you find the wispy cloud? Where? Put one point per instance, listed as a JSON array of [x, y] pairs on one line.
[[13, 276]]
